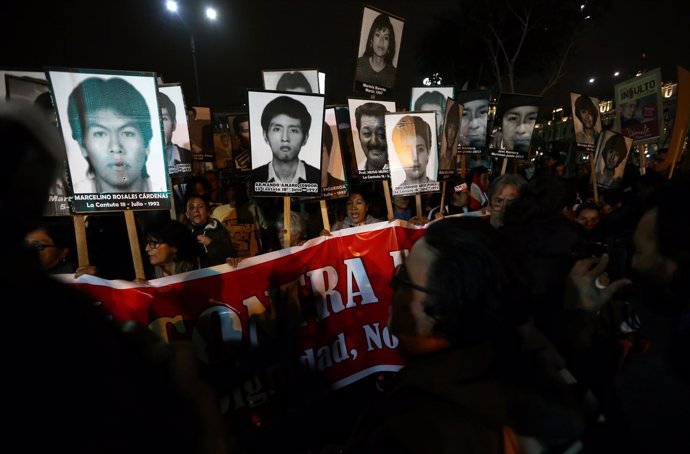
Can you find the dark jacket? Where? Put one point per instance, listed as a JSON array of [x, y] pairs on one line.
[[221, 243], [313, 174], [450, 402]]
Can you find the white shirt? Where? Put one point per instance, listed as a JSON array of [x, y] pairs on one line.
[[300, 173]]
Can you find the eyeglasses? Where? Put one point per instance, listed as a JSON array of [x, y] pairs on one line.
[[153, 244], [40, 246], [400, 278]]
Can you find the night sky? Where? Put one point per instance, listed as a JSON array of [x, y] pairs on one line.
[[250, 36]]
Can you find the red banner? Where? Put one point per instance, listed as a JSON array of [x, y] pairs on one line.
[[291, 323]]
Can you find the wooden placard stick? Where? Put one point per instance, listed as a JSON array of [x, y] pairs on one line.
[[324, 216], [286, 221], [463, 165], [443, 198], [504, 166], [418, 201], [389, 201], [80, 236], [594, 178], [643, 164], [134, 245]]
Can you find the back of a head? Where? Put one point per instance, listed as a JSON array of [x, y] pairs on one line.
[[31, 164], [481, 291]]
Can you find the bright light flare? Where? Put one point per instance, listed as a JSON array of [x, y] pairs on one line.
[[211, 13], [171, 5]]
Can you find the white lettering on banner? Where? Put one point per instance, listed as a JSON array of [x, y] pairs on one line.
[[262, 319], [322, 294], [160, 326], [211, 322], [255, 390], [398, 256], [355, 269], [374, 335]]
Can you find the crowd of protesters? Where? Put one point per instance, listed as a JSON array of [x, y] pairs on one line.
[[554, 258]]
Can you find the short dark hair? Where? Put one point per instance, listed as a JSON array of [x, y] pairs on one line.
[[479, 290], [616, 144], [452, 117], [165, 102], [327, 137], [362, 191], [285, 105], [372, 109], [241, 118], [585, 103], [421, 128], [430, 97], [382, 22], [293, 80], [589, 205], [178, 235], [94, 94]]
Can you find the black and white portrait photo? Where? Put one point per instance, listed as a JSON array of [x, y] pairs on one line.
[[431, 98], [286, 132], [448, 154], [586, 120], [292, 80], [379, 49], [178, 151], [610, 158], [368, 125], [241, 144], [37, 92], [474, 123], [35, 75], [413, 154], [513, 125], [111, 125]]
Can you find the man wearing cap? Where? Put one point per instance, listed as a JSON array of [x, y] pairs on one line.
[[458, 195]]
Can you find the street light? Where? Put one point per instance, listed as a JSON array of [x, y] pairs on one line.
[[212, 15]]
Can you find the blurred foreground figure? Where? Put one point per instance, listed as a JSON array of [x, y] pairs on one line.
[[478, 373], [652, 390], [78, 381]]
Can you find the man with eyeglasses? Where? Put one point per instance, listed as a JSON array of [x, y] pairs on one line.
[[54, 242], [459, 302]]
